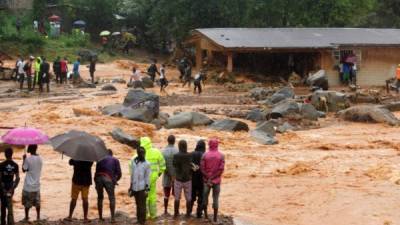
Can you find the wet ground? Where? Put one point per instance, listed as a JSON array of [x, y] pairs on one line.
[[341, 173]]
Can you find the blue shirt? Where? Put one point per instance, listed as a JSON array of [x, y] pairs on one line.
[[76, 66], [109, 167]]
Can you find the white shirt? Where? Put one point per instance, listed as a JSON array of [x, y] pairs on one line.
[[33, 165], [137, 76], [140, 175], [162, 73], [20, 66]]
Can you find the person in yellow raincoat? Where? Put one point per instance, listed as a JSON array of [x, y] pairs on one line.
[[157, 165], [36, 66]]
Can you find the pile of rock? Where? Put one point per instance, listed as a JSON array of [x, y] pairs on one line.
[[138, 106]]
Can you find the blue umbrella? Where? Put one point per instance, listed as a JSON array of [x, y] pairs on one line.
[[79, 23]]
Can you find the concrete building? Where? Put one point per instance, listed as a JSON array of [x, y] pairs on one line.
[[303, 50]]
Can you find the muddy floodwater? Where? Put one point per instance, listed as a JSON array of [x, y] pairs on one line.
[[342, 173]]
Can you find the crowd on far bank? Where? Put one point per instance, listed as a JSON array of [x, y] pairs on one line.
[[38, 72], [196, 174]]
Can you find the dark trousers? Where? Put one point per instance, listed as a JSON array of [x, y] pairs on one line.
[[44, 80], [104, 183], [58, 78], [92, 76], [6, 210], [140, 199], [188, 80], [152, 76], [197, 194], [63, 78], [197, 87]]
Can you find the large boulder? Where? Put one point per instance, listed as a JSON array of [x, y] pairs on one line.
[[109, 87], [393, 106], [256, 115], [229, 125], [138, 98], [119, 135], [267, 127], [308, 111], [147, 82], [265, 133], [284, 128], [181, 120], [319, 79], [187, 120], [282, 94], [260, 93], [112, 110], [141, 114], [200, 119], [285, 108], [369, 113], [335, 101]]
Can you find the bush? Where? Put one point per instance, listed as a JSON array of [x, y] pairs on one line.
[[75, 40]]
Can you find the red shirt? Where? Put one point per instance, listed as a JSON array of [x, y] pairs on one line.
[[63, 65]]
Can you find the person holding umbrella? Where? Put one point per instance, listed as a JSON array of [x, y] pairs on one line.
[[81, 181], [32, 166], [84, 149], [9, 176]]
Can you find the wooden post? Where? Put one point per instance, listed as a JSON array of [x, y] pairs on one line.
[[199, 57], [229, 65], [210, 56]]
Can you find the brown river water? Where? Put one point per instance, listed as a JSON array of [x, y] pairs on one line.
[[342, 173]]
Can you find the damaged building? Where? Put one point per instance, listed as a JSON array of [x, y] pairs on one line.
[[282, 51]]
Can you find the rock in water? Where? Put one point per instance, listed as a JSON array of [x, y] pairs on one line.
[[181, 120], [147, 82], [187, 120], [263, 138], [335, 101], [142, 114], [122, 137], [229, 125], [369, 113], [319, 79], [200, 119], [138, 98], [309, 112], [282, 94], [109, 87], [267, 127], [256, 115], [285, 108], [260, 93], [284, 128], [265, 133], [112, 110]]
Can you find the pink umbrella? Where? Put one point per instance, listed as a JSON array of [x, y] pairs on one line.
[[25, 136]]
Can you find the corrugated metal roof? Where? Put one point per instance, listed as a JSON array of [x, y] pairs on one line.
[[300, 37]]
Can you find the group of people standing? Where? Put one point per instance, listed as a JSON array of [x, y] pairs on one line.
[[36, 71], [195, 174], [348, 73], [185, 69]]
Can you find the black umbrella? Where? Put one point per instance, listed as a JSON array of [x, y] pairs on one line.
[[80, 145]]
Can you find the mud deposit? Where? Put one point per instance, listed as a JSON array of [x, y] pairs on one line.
[[341, 173]]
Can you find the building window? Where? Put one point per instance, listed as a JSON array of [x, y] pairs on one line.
[[348, 55]]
